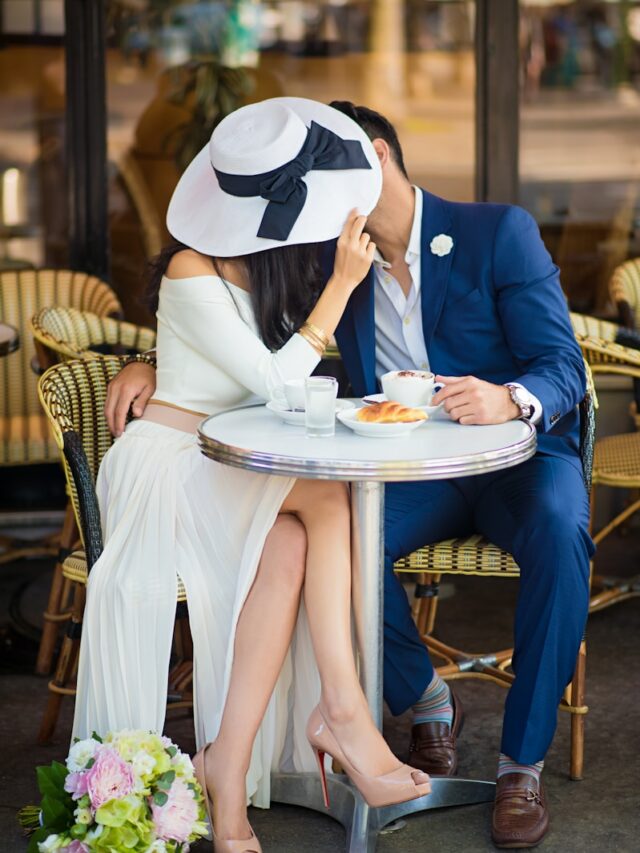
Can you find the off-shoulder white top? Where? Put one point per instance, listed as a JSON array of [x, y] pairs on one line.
[[210, 357]]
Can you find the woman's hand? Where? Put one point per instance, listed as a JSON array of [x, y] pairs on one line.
[[354, 254]]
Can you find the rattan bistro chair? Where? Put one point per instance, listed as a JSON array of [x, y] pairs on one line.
[[60, 334], [616, 463], [25, 438], [73, 396], [475, 555], [63, 334]]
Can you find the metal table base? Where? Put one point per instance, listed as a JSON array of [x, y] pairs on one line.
[[362, 823]]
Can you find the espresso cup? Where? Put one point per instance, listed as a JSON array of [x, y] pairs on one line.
[[409, 387], [294, 392]]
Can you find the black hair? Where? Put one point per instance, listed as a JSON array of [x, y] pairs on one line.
[[376, 126], [285, 285]]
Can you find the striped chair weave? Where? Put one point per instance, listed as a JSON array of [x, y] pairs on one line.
[[624, 286], [583, 324], [73, 395], [605, 356], [73, 334], [617, 461], [75, 569], [25, 437], [467, 555]]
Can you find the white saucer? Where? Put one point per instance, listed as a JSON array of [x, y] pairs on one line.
[[372, 430], [382, 398], [296, 418]]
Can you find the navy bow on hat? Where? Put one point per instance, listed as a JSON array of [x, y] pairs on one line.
[[284, 188]]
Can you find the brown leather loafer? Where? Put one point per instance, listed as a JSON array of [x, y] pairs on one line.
[[520, 816], [433, 745]]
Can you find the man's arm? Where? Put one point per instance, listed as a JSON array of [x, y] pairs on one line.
[[134, 385], [535, 317]]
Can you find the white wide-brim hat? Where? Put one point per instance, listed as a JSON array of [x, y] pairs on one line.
[[313, 163]]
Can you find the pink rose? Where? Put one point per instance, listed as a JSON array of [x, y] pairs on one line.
[[75, 847], [110, 778], [76, 785], [175, 819]]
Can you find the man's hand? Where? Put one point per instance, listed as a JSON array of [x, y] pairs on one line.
[[470, 400], [134, 384]]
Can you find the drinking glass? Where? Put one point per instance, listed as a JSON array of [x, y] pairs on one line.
[[320, 406]]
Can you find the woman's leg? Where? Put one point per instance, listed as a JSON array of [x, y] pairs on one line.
[[262, 639], [324, 509]]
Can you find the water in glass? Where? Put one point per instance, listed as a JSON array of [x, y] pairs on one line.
[[320, 406]]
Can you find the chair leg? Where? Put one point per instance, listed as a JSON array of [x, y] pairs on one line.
[[54, 615], [59, 686], [426, 602], [579, 711]]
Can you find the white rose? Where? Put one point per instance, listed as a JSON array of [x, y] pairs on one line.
[[158, 847], [181, 763], [51, 843], [441, 245], [142, 763], [81, 753]]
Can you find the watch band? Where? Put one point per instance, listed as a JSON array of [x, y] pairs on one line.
[[527, 409]]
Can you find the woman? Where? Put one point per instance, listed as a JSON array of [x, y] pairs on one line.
[[240, 311]]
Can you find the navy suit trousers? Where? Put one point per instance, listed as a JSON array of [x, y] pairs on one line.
[[539, 512]]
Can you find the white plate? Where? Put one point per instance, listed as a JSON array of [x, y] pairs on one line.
[[371, 430], [296, 418], [382, 398]]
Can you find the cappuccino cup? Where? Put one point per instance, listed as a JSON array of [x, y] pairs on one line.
[[409, 387], [294, 392]]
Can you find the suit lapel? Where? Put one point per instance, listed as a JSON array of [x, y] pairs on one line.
[[357, 327], [434, 270]]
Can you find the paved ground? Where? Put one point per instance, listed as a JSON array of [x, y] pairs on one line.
[[598, 814]]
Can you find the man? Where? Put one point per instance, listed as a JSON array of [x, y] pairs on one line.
[[469, 292]]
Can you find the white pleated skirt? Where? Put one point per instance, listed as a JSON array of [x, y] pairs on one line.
[[167, 510]]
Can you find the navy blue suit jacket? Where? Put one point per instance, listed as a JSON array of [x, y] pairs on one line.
[[492, 308]]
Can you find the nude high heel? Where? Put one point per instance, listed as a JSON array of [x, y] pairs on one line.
[[220, 845], [398, 786]]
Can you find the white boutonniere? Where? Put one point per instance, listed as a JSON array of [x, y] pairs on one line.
[[441, 245]]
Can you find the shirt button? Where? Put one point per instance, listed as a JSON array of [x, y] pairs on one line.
[[407, 320], [424, 365]]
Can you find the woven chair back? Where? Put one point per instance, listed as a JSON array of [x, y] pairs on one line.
[[624, 286], [22, 294], [73, 395], [583, 324], [67, 333], [605, 356]]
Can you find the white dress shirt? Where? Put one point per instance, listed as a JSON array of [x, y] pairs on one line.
[[400, 343]]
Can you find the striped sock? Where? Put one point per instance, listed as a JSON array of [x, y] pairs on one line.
[[434, 706], [508, 765]]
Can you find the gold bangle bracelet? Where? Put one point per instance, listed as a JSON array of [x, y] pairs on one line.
[[312, 340], [319, 333]]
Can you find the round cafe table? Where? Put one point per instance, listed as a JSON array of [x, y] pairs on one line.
[[255, 439], [9, 339]]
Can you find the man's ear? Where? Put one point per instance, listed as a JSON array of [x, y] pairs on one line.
[[382, 150]]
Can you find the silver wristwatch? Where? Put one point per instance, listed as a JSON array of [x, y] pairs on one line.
[[522, 401]]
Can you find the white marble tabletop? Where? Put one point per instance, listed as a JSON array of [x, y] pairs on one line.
[[255, 439]]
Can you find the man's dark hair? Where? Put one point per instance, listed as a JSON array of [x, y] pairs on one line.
[[376, 126]]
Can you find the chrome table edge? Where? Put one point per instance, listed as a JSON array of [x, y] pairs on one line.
[[389, 471]]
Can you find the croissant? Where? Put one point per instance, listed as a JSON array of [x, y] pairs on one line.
[[390, 413]]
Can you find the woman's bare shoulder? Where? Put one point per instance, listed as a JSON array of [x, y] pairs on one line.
[[189, 264]]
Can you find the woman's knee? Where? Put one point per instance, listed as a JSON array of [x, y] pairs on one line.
[[285, 552], [320, 497]]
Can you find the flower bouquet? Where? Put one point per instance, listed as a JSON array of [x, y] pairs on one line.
[[133, 792]]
